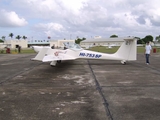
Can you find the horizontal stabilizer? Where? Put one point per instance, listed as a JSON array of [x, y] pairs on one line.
[[128, 49], [41, 54], [49, 58]]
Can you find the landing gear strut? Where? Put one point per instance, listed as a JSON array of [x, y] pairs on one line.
[[53, 63]]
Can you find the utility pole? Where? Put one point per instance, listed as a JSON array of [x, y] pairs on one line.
[[70, 36]]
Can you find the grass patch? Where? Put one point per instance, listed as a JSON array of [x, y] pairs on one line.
[[29, 50], [102, 49], [114, 49]]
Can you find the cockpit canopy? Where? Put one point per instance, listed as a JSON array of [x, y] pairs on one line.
[[72, 46]]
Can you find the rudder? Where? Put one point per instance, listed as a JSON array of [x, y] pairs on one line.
[[128, 49]]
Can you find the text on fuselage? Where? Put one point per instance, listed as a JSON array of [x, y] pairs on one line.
[[91, 55]]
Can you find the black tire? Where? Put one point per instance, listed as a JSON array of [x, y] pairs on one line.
[[59, 61]]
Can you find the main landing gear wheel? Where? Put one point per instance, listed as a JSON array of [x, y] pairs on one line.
[[123, 62], [59, 61]]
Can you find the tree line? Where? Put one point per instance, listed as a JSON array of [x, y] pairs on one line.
[[139, 40], [148, 38], [3, 38], [78, 40]]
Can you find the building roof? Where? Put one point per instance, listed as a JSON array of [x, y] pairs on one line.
[[53, 40], [39, 43], [118, 39]]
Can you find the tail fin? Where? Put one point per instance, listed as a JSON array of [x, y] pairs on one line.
[[128, 49]]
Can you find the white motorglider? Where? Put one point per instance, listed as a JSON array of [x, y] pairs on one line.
[[126, 52]]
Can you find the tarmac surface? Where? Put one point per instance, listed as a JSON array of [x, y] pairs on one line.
[[79, 90]]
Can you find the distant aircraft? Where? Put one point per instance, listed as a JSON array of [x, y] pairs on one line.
[[109, 46], [126, 52]]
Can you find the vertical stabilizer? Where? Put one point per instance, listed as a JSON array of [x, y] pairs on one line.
[[128, 49]]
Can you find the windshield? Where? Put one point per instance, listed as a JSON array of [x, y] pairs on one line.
[[72, 46]]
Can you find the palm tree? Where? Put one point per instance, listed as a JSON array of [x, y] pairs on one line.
[[11, 35], [18, 37], [3, 38], [24, 37]]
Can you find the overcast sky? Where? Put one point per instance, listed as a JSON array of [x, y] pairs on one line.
[[67, 19]]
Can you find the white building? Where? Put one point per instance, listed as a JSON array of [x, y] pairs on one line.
[[103, 42], [2, 45], [13, 43], [97, 37], [25, 43], [59, 43], [38, 43]]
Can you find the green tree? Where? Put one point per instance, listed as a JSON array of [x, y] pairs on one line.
[[18, 37], [11, 35], [83, 38], [139, 41], [113, 36], [3, 38], [158, 38], [78, 40], [24, 37], [147, 39]]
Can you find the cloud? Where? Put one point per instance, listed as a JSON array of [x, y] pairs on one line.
[[50, 26], [11, 19], [84, 18], [49, 29]]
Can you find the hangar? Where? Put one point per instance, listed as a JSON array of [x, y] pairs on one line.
[[59, 43], [27, 43], [103, 42], [13, 43]]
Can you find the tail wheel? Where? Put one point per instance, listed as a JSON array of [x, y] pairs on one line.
[[123, 62]]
